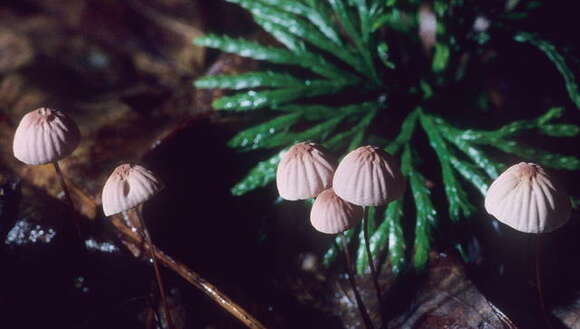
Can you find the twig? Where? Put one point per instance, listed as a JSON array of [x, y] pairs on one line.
[[193, 278], [505, 320], [158, 278]]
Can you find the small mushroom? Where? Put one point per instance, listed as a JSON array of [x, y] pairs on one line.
[[368, 176], [526, 198], [331, 215], [129, 186], [304, 171], [46, 136]]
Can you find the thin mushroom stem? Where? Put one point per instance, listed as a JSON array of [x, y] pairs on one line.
[[365, 224], [539, 280], [67, 197], [504, 319], [147, 238], [361, 306], [192, 277]]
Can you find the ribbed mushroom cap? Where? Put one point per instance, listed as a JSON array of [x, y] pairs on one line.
[[369, 176], [44, 136], [330, 214], [128, 186], [527, 199], [304, 171]]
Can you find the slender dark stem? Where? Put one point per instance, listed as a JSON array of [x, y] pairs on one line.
[[374, 273], [67, 197], [155, 310], [361, 306], [504, 319], [539, 280], [211, 291], [147, 238]]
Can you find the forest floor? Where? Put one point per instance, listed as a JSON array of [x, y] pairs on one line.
[[124, 70]]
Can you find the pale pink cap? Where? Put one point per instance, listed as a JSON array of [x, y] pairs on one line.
[[44, 136], [330, 214], [128, 186], [527, 199], [304, 171], [369, 176]]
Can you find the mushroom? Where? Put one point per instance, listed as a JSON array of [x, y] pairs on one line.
[[369, 176], [526, 198], [46, 136], [332, 215], [304, 171], [128, 187]]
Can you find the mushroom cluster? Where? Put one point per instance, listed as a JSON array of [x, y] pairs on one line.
[[367, 176], [525, 197], [47, 135]]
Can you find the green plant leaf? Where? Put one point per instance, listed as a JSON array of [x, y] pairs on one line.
[[508, 130], [560, 130], [244, 48], [459, 204], [426, 213], [259, 176], [378, 241], [476, 155], [314, 13], [440, 57], [346, 19], [389, 235], [383, 53], [319, 132], [558, 60], [397, 20], [249, 80], [299, 28], [553, 160], [332, 48], [254, 137], [253, 100], [364, 19], [282, 35], [397, 244], [470, 173]]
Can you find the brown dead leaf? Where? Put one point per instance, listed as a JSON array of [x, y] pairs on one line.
[[447, 299], [15, 50]]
